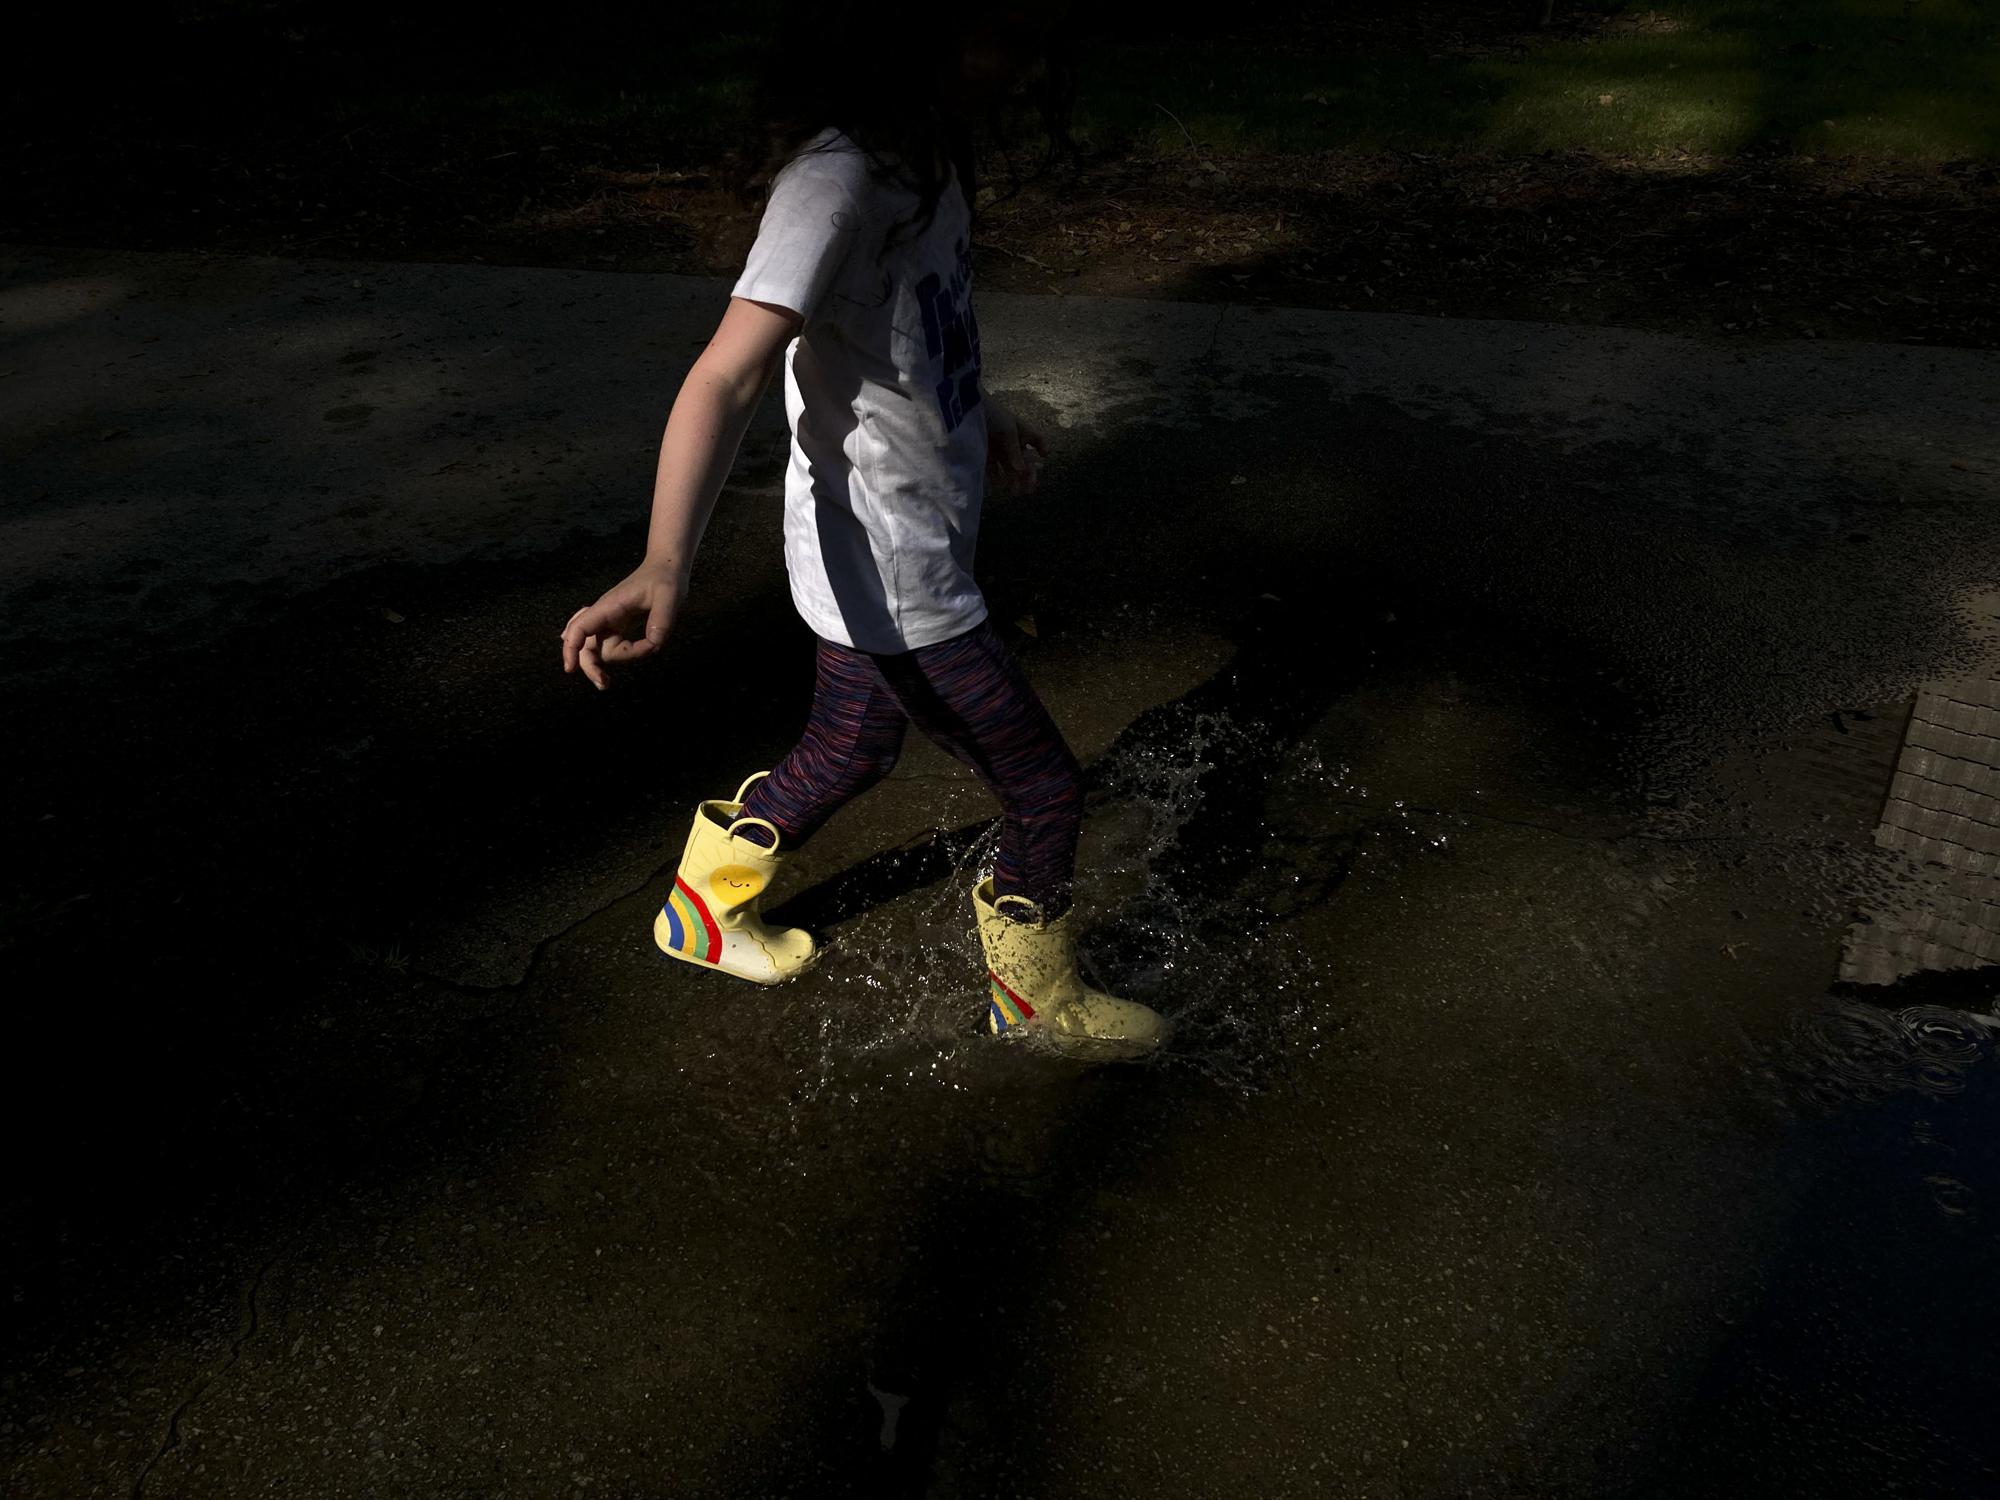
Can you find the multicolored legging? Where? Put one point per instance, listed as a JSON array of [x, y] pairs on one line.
[[969, 696]]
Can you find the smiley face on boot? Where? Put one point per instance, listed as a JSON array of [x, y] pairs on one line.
[[732, 885]]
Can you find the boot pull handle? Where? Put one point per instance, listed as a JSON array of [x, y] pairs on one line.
[[764, 823], [747, 784], [1034, 910]]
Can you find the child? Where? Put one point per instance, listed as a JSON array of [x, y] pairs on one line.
[[860, 285]]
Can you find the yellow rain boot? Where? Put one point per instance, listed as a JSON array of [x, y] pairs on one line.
[[1034, 986], [711, 915]]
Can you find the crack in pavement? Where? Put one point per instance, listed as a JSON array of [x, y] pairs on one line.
[[913, 844], [920, 840], [246, 1330], [469, 987]]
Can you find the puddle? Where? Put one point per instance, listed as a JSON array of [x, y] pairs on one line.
[[1901, 1052], [1184, 911]]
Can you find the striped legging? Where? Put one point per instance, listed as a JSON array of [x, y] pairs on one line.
[[968, 695]]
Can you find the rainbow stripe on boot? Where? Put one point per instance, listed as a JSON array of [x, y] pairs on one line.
[[1009, 1009], [691, 930]]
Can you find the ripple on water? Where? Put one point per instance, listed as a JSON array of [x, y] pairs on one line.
[[1924, 1071], [1846, 1051]]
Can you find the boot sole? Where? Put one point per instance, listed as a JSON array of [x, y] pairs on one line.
[[776, 979], [1083, 1049]]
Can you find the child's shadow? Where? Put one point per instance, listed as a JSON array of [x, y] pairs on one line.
[[1289, 667], [881, 878]]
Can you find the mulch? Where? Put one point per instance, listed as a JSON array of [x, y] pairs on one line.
[[1779, 248], [1735, 248]]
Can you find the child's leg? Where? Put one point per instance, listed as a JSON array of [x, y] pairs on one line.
[[970, 696], [853, 735]]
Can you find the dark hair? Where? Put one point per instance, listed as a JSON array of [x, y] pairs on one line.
[[886, 75]]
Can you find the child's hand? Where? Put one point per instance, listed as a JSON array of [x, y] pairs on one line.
[[631, 621], [1014, 450]]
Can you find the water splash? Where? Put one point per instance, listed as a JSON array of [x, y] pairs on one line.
[[1184, 905]]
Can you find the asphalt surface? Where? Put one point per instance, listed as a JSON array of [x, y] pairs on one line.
[[1487, 723]]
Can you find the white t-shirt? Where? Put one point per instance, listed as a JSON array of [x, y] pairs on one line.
[[888, 458]]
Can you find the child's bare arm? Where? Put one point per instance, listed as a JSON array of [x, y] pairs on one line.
[[706, 426], [704, 431]]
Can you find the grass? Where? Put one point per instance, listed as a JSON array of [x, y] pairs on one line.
[[696, 97], [1916, 81]]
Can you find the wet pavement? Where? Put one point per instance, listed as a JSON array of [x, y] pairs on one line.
[[1511, 748]]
